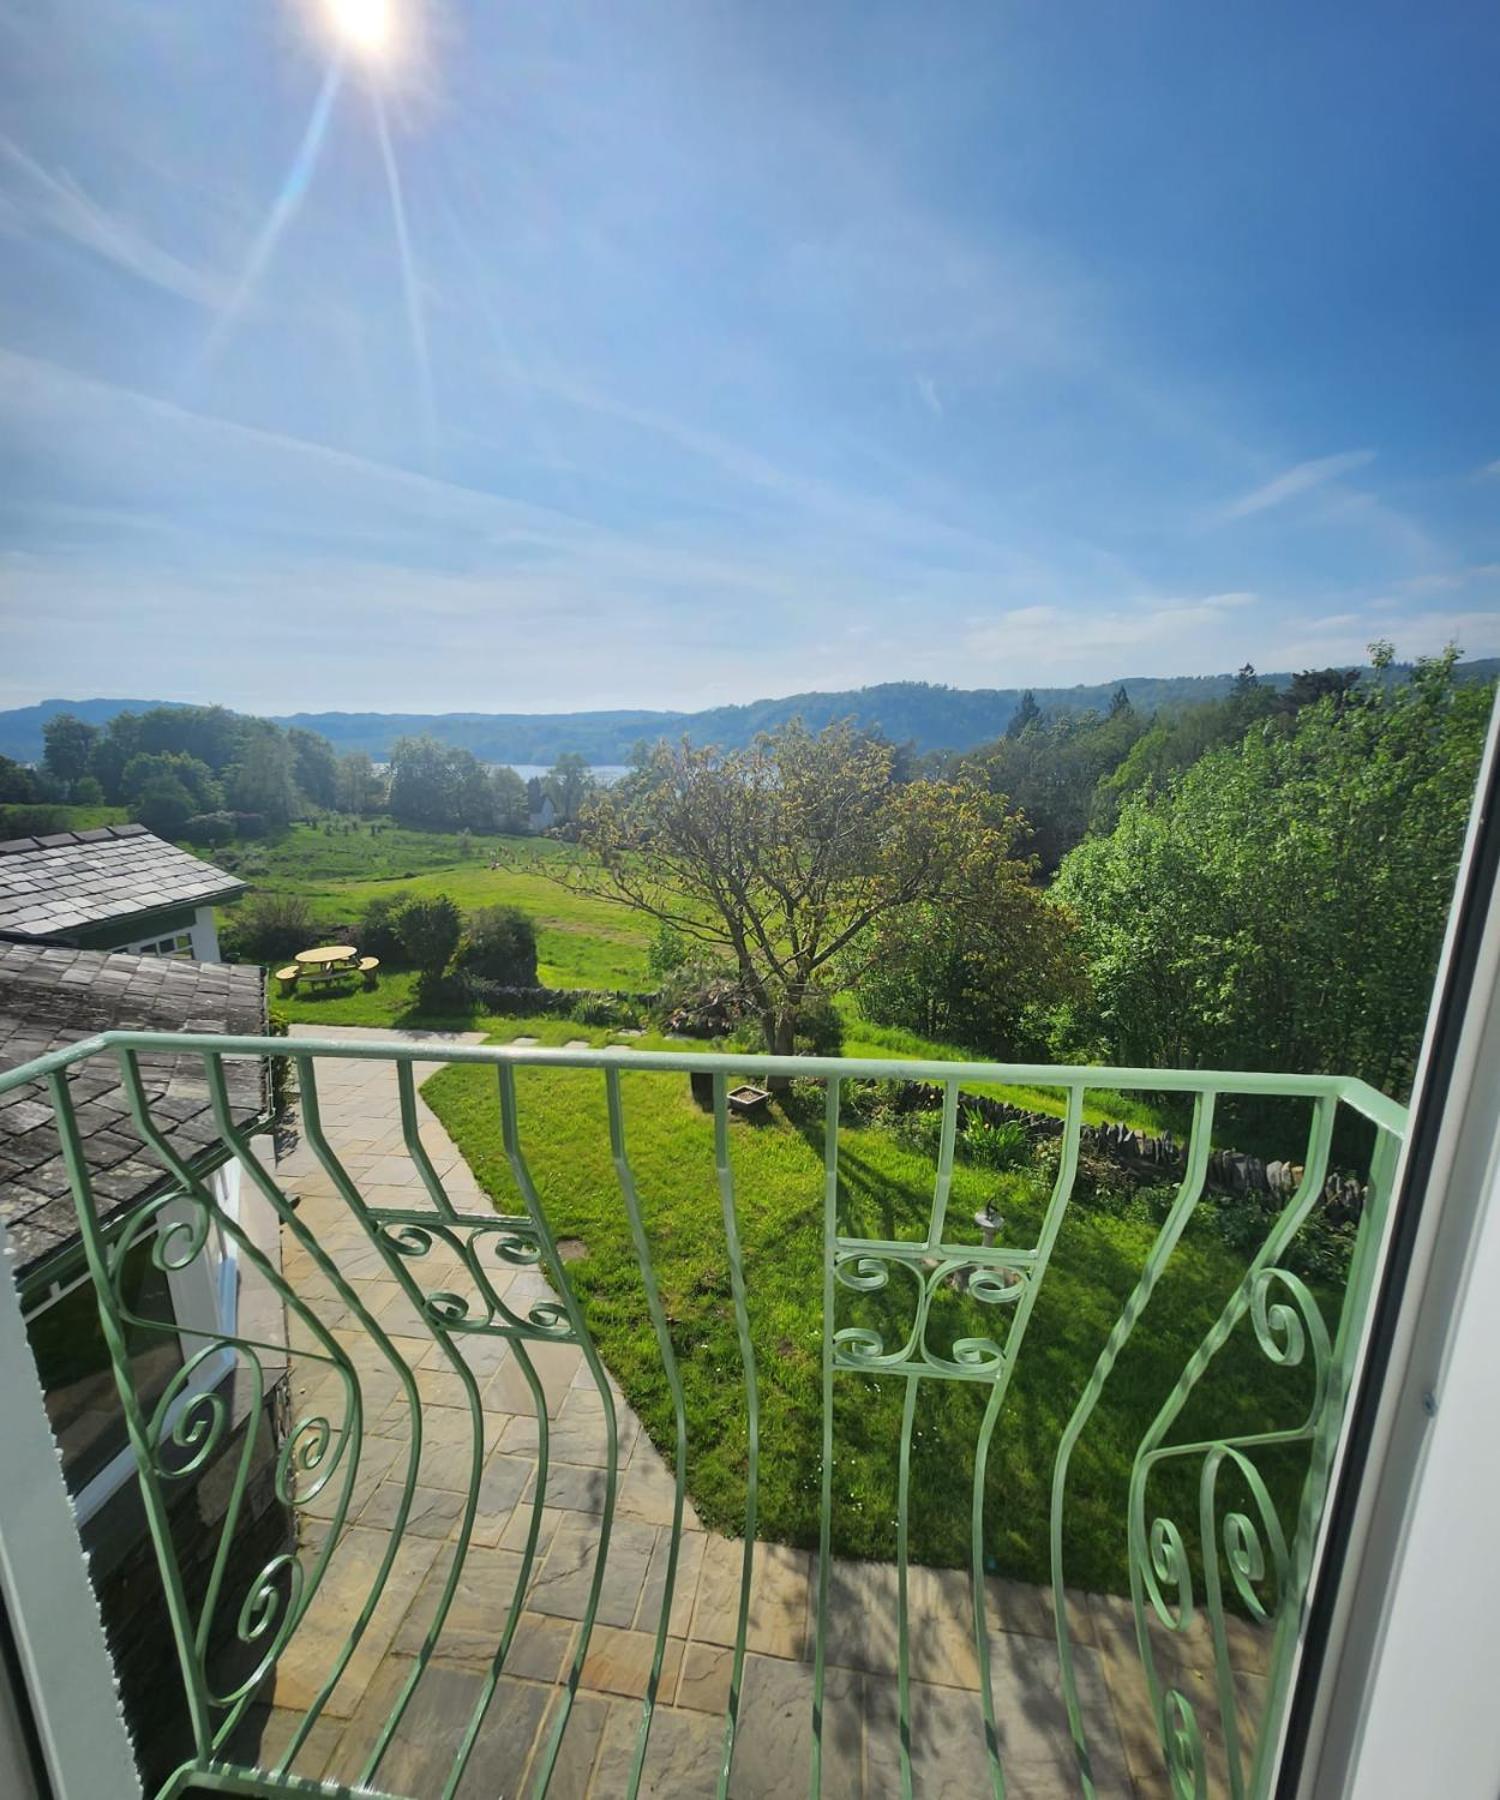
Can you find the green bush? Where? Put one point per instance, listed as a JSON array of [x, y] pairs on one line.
[[376, 933], [1005, 1145], [163, 805], [498, 945], [441, 991], [669, 950], [701, 998], [921, 1131], [605, 1010], [208, 828], [820, 1028], [267, 928], [429, 932]]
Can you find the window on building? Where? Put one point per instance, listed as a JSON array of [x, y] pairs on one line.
[[178, 945], [72, 1359]]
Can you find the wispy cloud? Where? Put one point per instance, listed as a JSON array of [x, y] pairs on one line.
[[57, 204], [1301, 478], [927, 388], [1491, 470]]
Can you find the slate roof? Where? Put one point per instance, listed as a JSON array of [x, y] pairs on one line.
[[51, 997], [71, 880]]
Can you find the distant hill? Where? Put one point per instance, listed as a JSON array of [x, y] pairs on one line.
[[21, 728], [932, 718]]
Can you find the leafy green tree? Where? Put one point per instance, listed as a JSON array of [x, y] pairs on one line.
[[356, 785], [69, 743], [263, 779], [212, 734], [149, 768], [17, 787], [111, 752], [509, 796], [86, 791], [1174, 743], [498, 944], [161, 802], [569, 782], [1051, 770], [1027, 714], [669, 950], [436, 788], [314, 766], [784, 855], [1309, 686], [429, 932], [983, 973], [1281, 904], [476, 792]]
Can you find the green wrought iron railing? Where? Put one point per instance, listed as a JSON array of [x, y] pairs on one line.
[[1264, 1550]]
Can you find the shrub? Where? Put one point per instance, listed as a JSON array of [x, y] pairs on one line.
[[441, 991], [208, 828], [429, 931], [921, 1131], [32, 821], [86, 791], [499, 945], [701, 998], [669, 950], [268, 928], [376, 932], [820, 1028], [1001, 1146], [163, 805], [603, 1009]]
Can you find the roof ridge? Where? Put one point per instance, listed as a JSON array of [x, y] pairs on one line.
[[97, 834]]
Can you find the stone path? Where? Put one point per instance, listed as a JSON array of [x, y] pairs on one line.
[[360, 1116]]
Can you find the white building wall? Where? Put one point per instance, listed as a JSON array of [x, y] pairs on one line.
[[205, 935]]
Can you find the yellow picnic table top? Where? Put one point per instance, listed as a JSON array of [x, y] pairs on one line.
[[327, 956]]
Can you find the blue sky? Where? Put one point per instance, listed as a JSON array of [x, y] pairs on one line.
[[739, 349]]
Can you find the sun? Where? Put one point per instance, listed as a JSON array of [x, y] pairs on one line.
[[367, 27]]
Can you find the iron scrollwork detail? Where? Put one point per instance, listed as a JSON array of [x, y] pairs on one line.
[[1249, 1539], [193, 1420], [514, 1245], [866, 1271]]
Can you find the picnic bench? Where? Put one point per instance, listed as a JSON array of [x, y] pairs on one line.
[[328, 966]]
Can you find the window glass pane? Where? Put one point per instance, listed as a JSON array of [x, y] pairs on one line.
[[67, 1340]]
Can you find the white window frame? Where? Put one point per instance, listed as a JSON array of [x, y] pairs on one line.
[[205, 1304]]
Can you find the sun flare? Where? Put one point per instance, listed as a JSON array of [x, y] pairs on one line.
[[367, 27]]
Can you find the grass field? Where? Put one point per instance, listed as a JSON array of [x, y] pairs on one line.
[[580, 942], [885, 1192], [33, 820]]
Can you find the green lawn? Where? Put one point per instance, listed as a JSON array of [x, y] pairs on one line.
[[885, 1192], [892, 1042], [581, 943], [18, 820]]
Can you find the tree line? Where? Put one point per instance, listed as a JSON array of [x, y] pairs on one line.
[[209, 774], [1259, 882]]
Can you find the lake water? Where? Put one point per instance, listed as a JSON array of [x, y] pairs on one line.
[[601, 772], [605, 772]]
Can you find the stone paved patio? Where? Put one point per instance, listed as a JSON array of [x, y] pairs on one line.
[[860, 1736]]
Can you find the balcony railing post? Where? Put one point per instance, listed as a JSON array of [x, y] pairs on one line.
[[69, 1681]]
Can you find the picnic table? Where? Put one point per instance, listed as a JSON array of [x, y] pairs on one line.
[[330, 960], [327, 965]]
